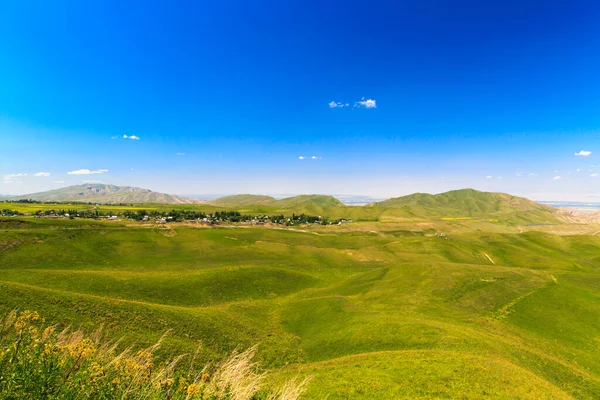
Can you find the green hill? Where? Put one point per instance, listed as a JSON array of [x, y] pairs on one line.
[[462, 203], [240, 200], [295, 202], [105, 194], [308, 200]]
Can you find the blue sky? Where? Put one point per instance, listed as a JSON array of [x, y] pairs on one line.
[[225, 97]]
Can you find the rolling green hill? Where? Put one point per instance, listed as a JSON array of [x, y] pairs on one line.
[[239, 200], [457, 204], [462, 203], [105, 194], [308, 200]]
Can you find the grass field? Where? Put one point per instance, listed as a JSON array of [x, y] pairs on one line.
[[370, 310]]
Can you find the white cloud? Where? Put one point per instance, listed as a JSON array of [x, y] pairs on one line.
[[180, 154], [337, 104], [10, 176], [301, 157], [578, 169], [366, 103], [43, 174], [87, 172], [533, 174], [583, 153], [132, 137], [489, 177], [594, 174], [556, 178], [8, 182], [518, 173]]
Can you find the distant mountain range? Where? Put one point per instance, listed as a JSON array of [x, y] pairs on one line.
[[105, 194]]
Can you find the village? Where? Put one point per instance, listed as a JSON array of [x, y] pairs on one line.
[[159, 217]]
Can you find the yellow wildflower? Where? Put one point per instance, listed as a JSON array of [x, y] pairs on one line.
[[25, 319], [47, 332], [193, 389]]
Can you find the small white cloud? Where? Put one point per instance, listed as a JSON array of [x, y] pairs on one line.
[[180, 154], [87, 172], [115, 137], [489, 177], [533, 174], [10, 176], [578, 169], [43, 174], [366, 103], [518, 173], [132, 137], [499, 177], [594, 174], [556, 178], [8, 182], [301, 157], [582, 153], [337, 104]]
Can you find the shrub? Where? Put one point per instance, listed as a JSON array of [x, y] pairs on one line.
[[36, 361]]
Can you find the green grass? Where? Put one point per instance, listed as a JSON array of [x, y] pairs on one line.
[[428, 374], [371, 310]]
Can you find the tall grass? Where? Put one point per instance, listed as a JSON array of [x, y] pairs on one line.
[[37, 361]]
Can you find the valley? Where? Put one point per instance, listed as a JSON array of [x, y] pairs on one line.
[[467, 295]]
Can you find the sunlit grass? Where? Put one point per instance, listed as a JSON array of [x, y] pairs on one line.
[[37, 361]]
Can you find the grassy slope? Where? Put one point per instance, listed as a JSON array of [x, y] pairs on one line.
[[463, 203], [238, 200], [394, 312]]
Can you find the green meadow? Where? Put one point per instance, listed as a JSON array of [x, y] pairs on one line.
[[384, 307]]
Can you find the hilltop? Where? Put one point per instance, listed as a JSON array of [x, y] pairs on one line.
[[107, 194], [462, 203], [241, 200]]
